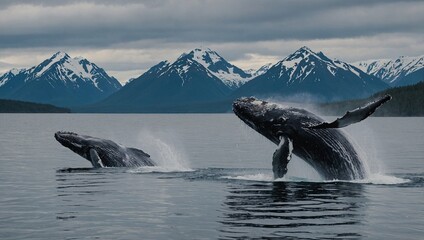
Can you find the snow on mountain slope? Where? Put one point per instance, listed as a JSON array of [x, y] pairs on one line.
[[9, 75], [257, 72], [314, 74], [59, 80], [72, 71], [229, 74], [394, 72], [184, 84], [263, 69], [301, 63]]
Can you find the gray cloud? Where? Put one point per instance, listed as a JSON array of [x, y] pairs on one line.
[[127, 37], [106, 23]]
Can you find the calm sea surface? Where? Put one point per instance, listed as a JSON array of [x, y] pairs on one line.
[[214, 182]]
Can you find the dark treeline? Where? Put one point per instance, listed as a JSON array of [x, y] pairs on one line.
[[12, 106], [407, 101]]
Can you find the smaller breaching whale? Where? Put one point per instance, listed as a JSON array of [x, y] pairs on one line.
[[102, 152], [322, 145]]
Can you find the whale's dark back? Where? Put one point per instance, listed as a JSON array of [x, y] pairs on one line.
[[103, 152], [114, 155]]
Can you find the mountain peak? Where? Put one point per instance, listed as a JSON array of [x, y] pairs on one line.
[[79, 58], [305, 49], [403, 70], [60, 55], [9, 75], [305, 72], [202, 49], [205, 56], [304, 52], [214, 64], [59, 80], [294, 59], [55, 58], [257, 72], [298, 65], [16, 71], [197, 53]]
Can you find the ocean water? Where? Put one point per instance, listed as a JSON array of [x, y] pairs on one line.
[[214, 181]]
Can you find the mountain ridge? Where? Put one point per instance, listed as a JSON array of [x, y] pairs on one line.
[[59, 80], [230, 75], [401, 71], [167, 85], [305, 73], [195, 81]]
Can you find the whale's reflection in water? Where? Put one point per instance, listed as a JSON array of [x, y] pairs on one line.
[[106, 200], [79, 190], [293, 210]]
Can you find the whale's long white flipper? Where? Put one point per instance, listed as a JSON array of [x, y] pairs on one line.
[[281, 157]]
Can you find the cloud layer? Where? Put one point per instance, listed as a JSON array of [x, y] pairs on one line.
[[247, 32]]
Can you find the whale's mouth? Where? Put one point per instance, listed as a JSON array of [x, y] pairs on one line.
[[63, 134], [70, 140], [241, 112], [65, 137], [242, 107], [250, 110]]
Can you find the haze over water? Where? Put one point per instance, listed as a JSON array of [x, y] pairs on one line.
[[214, 182]]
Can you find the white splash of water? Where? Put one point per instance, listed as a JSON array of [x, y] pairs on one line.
[[167, 154], [299, 169], [269, 177], [366, 145], [377, 179], [158, 169], [258, 177], [382, 179]]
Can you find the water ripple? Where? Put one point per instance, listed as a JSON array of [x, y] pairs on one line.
[[280, 208]]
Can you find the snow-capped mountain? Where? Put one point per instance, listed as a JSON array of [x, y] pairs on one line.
[[398, 72], [9, 75], [59, 80], [308, 73], [229, 74], [257, 72], [263, 69], [171, 86]]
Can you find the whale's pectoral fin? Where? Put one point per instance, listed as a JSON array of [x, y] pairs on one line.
[[355, 115], [281, 157], [95, 159]]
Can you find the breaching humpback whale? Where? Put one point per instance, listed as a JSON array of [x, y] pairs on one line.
[[322, 145], [102, 152]]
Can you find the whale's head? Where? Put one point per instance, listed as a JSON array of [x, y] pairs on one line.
[[80, 144], [269, 119]]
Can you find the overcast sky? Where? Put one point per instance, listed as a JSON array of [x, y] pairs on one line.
[[127, 37]]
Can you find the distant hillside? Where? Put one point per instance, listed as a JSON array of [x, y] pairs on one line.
[[12, 106], [407, 101]]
